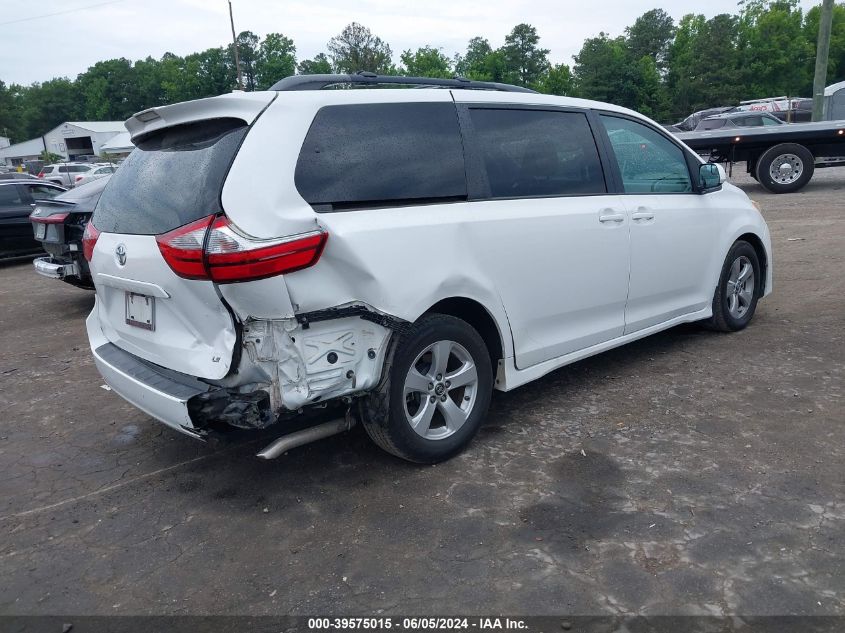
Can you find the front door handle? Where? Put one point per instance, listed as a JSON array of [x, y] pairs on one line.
[[610, 215]]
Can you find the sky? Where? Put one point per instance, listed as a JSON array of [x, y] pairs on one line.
[[35, 46]]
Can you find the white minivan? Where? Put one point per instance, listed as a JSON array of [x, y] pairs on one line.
[[394, 255]]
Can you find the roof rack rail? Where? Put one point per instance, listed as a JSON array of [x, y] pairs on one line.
[[763, 100], [364, 78]]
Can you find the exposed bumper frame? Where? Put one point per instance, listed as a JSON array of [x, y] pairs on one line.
[[46, 267]]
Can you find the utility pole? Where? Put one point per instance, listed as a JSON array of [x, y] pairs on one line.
[[235, 48], [822, 51]]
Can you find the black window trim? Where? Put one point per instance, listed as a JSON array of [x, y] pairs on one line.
[[25, 194], [693, 164], [375, 205], [478, 187]]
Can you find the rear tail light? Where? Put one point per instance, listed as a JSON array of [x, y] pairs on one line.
[[89, 240], [182, 248], [213, 248], [40, 174], [57, 218], [78, 178]]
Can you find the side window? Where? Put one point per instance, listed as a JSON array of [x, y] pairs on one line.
[[382, 154], [40, 192], [648, 161], [63, 169], [530, 153], [770, 121], [10, 196]]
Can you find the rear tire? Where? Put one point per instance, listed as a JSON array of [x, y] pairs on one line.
[[435, 392], [785, 168], [738, 290]]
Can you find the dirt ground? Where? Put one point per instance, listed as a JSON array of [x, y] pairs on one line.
[[712, 478]]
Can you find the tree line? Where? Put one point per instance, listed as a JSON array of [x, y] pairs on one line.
[[661, 68]]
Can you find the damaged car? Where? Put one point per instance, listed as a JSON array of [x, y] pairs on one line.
[[59, 224], [413, 251]]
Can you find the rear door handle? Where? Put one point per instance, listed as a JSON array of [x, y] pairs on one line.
[[642, 215], [610, 215]]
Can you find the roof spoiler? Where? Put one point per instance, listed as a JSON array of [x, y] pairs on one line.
[[237, 105]]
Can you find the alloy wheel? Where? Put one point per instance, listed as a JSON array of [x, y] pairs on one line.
[[440, 390], [739, 290]]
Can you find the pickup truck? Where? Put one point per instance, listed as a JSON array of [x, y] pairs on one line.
[[782, 158]]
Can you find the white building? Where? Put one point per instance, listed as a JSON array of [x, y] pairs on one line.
[[119, 145], [4, 142], [69, 140], [80, 138], [20, 152]]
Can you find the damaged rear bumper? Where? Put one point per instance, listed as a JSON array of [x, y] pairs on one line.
[[288, 366], [157, 395], [183, 403]]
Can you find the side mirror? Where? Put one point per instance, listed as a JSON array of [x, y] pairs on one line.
[[711, 176]]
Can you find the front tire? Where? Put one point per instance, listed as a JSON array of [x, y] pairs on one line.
[[435, 393], [739, 288], [785, 168]]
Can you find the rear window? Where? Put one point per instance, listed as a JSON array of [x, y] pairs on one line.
[[172, 177], [385, 154], [537, 153]]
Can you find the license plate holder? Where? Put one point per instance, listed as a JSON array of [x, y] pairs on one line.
[[40, 231], [140, 311]]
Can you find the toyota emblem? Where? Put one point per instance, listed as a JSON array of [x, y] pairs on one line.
[[120, 253]]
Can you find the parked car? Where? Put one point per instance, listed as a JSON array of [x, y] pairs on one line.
[[415, 250], [690, 123], [58, 224], [795, 110], [64, 173], [17, 197], [738, 119], [99, 171], [13, 175]]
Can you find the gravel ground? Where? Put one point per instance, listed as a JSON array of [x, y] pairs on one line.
[[687, 473]]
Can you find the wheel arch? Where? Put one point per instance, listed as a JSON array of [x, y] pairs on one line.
[[480, 318], [762, 255]]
